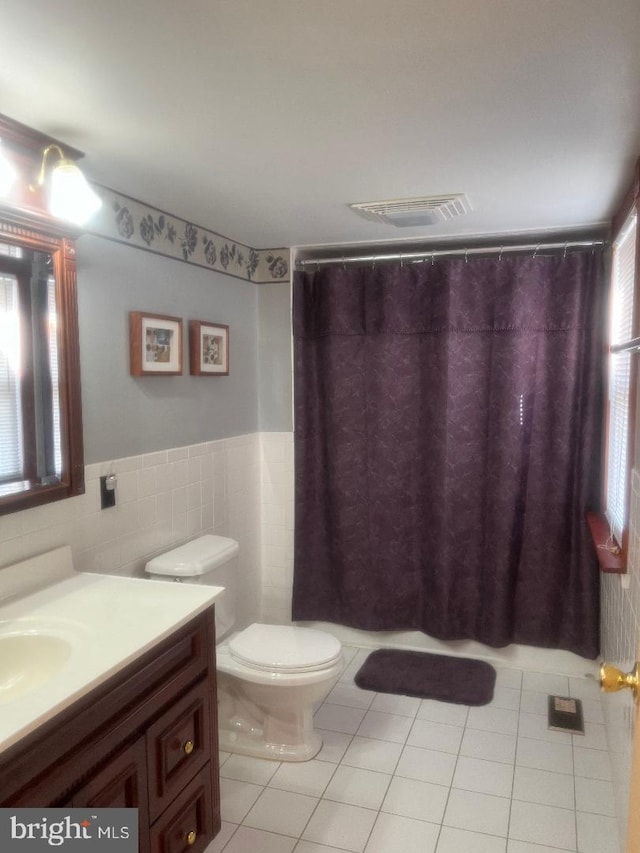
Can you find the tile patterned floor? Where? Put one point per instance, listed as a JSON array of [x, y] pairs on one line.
[[401, 775]]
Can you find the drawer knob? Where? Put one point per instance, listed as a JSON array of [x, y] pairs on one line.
[[191, 837], [188, 748]]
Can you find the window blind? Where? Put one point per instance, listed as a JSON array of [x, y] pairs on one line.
[[11, 446], [619, 419]]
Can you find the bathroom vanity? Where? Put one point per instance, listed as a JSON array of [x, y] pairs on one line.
[[138, 728]]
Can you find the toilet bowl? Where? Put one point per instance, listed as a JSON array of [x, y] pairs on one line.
[[269, 676]]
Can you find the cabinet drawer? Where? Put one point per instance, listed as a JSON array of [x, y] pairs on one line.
[[178, 746], [187, 826]]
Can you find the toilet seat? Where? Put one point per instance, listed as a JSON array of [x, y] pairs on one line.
[[284, 648]]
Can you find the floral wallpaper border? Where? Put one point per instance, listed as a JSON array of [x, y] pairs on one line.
[[134, 223]]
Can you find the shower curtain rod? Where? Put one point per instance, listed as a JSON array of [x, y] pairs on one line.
[[419, 257]]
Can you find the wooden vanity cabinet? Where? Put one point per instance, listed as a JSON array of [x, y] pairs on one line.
[[146, 739]]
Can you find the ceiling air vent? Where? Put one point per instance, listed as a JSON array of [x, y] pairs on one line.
[[407, 212]]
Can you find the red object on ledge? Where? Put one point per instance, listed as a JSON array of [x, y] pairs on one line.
[[601, 534]]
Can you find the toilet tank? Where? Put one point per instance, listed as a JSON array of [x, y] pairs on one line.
[[210, 560]]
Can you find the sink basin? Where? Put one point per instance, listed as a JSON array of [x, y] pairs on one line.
[[28, 660]]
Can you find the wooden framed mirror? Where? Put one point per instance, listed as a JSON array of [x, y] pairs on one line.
[[41, 445]]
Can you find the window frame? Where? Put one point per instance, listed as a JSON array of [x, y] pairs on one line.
[[612, 555]]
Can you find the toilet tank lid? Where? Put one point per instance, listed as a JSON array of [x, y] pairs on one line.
[[197, 557]]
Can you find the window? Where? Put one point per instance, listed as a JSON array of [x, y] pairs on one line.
[[11, 447], [624, 343]]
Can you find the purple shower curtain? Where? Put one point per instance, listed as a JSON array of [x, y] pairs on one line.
[[447, 445]]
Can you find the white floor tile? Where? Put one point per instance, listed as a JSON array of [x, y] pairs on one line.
[[462, 841], [226, 831], [542, 755], [350, 695], [443, 712], [438, 736], [524, 847], [477, 812], [312, 847], [281, 811], [426, 765], [533, 702], [349, 652], [246, 769], [485, 777], [546, 682], [305, 777], [402, 775], [421, 800], [334, 745], [595, 796], [592, 711], [536, 726], [541, 786], [585, 688], [505, 697], [372, 754], [490, 719], [597, 834], [385, 726], [508, 677], [236, 798], [354, 665], [340, 825], [405, 706], [592, 763], [339, 718], [358, 787], [594, 737], [543, 825], [247, 840], [395, 834], [488, 745]]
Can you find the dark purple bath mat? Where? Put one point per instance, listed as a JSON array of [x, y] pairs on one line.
[[448, 679]]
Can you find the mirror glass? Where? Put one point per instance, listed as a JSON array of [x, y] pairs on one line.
[[40, 423]]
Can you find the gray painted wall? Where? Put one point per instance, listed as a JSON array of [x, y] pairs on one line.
[[125, 415], [274, 357]]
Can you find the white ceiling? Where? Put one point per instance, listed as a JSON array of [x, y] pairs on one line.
[[264, 119]]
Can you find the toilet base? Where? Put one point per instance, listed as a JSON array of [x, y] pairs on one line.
[[250, 744]]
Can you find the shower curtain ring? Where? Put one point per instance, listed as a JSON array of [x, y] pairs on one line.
[[433, 257], [401, 261], [466, 256], [501, 251], [344, 264], [564, 253]]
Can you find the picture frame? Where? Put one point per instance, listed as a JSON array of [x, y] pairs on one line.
[[208, 348], [155, 344]]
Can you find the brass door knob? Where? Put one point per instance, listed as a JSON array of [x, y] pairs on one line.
[[191, 837], [612, 679], [188, 747]]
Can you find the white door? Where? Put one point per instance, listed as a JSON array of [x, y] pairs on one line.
[[612, 680]]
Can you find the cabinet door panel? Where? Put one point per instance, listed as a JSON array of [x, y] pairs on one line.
[[187, 825], [121, 783], [178, 746]]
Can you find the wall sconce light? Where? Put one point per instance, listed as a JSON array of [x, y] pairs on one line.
[[70, 196], [7, 174]]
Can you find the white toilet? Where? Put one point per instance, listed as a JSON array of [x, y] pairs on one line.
[[269, 676]]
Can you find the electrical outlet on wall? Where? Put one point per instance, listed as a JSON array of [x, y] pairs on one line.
[[108, 491]]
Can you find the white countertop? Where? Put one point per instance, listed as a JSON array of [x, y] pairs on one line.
[[108, 621]]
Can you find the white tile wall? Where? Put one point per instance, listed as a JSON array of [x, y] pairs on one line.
[[277, 526], [162, 499], [620, 627]]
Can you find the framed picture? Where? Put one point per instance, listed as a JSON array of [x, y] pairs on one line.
[[208, 349], [155, 344]]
